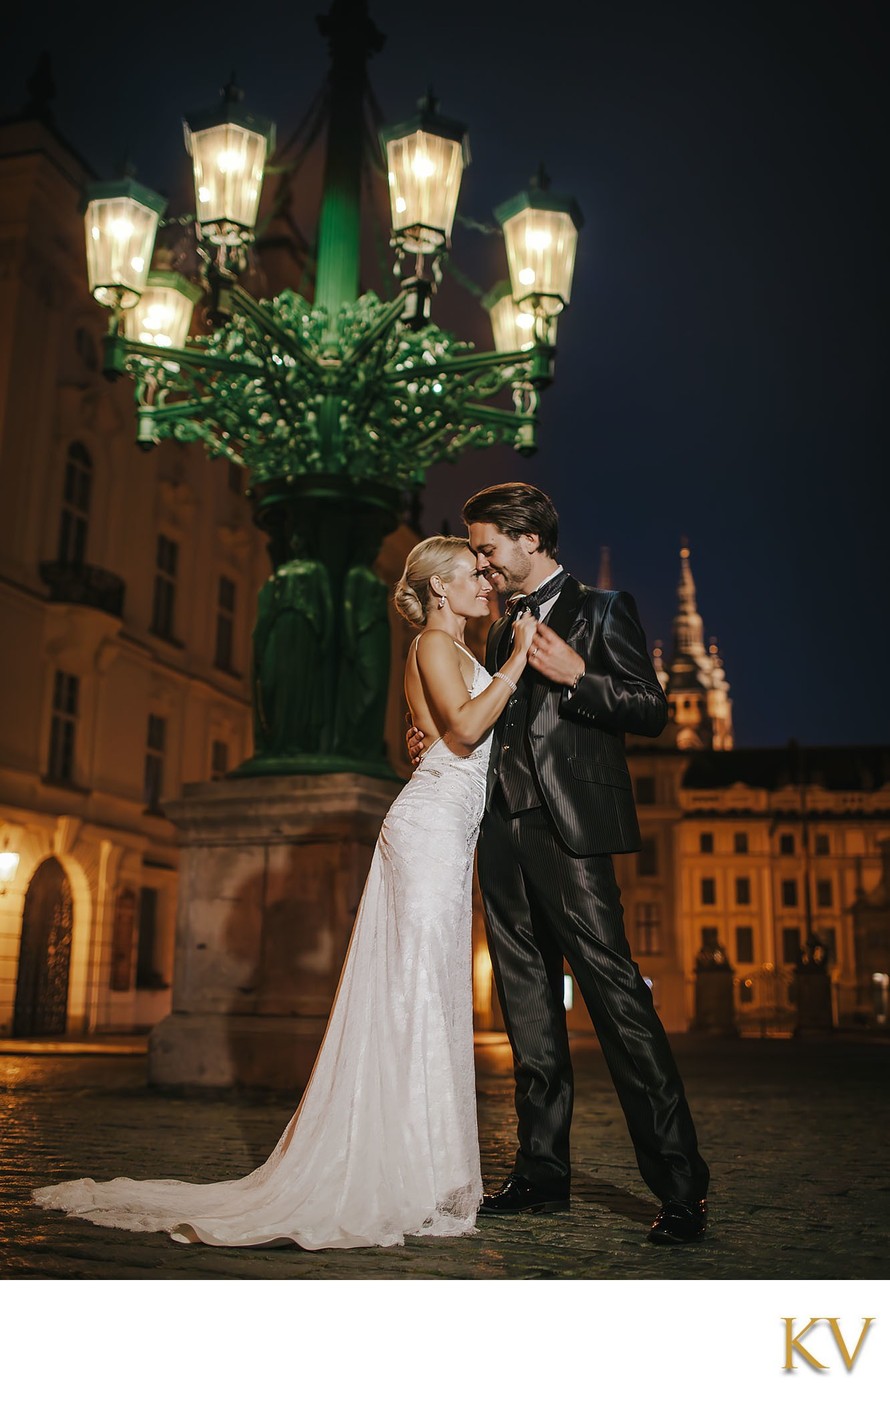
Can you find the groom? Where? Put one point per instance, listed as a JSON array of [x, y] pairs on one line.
[[559, 803]]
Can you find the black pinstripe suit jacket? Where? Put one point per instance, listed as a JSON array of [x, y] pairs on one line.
[[575, 742]]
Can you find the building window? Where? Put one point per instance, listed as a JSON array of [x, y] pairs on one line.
[[746, 991], [706, 842], [219, 759], [645, 788], [148, 976], [744, 945], [156, 739], [708, 891], [647, 858], [75, 506], [236, 478], [786, 844], [824, 892], [740, 842], [63, 728], [164, 602], [790, 945], [710, 938], [123, 936], [743, 891], [822, 846], [789, 892], [225, 624], [828, 936], [648, 928]]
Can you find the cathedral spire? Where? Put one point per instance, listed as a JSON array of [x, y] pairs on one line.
[[686, 585], [697, 689], [689, 639]]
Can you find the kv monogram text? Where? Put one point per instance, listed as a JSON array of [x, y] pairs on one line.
[[794, 1344]]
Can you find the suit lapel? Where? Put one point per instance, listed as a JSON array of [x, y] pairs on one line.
[[560, 620]]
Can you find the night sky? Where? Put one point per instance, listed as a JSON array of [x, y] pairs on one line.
[[721, 367]]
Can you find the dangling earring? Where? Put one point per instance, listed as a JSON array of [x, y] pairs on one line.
[[441, 602]]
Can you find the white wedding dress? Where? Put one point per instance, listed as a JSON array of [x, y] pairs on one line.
[[384, 1141]]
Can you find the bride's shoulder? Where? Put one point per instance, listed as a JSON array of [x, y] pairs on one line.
[[434, 648], [433, 639]]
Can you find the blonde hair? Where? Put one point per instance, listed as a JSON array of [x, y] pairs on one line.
[[431, 557]]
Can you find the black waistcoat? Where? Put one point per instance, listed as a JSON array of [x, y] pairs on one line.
[[514, 771]]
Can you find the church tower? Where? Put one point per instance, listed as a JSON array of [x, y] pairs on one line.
[[696, 684]]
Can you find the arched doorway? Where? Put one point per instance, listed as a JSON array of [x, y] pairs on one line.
[[41, 993]]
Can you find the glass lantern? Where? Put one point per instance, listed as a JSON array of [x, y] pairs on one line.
[[228, 146], [425, 159], [163, 316], [516, 330], [541, 235], [121, 223]]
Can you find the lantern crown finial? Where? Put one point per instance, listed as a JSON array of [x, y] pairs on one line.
[[428, 105], [230, 92]]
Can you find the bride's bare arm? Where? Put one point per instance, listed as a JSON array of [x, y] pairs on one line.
[[466, 720]]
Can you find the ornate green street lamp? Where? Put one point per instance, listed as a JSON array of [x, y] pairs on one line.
[[337, 409]]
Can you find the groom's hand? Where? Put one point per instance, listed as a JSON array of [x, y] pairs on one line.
[[554, 658], [414, 739]]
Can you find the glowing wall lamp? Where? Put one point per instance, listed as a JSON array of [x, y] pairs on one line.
[[9, 866]]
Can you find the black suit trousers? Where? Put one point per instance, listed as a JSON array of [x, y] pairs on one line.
[[543, 903]]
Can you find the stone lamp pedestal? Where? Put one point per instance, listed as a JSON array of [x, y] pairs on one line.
[[271, 875]]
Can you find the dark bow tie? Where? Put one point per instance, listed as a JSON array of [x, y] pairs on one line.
[[535, 601]]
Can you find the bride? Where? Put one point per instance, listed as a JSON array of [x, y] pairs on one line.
[[384, 1142]]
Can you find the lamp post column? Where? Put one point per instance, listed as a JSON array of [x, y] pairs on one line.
[[352, 37], [324, 530]]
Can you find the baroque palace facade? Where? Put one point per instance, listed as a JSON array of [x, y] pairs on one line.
[[128, 586]]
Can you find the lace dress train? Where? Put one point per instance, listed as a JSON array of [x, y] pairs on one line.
[[384, 1141]]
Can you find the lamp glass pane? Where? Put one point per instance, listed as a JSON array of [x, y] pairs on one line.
[[163, 316], [424, 182], [541, 254], [514, 328], [120, 236], [228, 163]]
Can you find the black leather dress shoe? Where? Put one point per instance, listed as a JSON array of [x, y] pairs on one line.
[[678, 1223], [518, 1196]]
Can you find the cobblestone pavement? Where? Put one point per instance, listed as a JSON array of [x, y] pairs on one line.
[[794, 1131]]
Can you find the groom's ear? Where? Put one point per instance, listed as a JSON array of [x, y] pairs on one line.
[[531, 543]]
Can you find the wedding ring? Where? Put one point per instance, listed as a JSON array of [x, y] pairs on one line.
[[534, 651]]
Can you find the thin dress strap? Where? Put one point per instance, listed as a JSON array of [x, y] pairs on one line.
[[464, 649]]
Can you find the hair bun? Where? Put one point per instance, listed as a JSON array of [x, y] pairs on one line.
[[408, 603]]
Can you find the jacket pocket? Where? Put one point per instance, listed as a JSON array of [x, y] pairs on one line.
[[595, 773]]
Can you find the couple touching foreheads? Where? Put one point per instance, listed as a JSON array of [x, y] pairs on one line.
[[526, 755]]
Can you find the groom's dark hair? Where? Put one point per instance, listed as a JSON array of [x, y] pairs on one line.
[[516, 508]]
